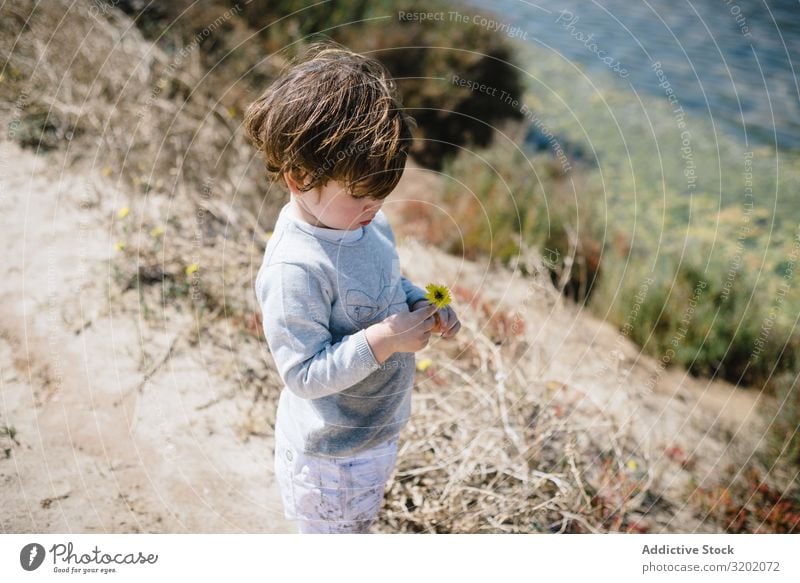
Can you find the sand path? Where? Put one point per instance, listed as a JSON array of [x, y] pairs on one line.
[[98, 449]]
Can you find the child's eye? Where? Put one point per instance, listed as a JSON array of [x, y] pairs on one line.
[[365, 200]]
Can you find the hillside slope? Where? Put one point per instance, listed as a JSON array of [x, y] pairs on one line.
[[123, 424], [136, 390]]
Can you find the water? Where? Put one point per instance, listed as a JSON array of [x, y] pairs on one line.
[[737, 63]]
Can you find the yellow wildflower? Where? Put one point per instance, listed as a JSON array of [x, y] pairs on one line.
[[119, 245], [156, 232], [632, 465], [423, 364], [123, 212], [191, 268], [438, 295]]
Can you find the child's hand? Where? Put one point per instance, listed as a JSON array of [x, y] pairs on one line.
[[401, 332], [447, 321]]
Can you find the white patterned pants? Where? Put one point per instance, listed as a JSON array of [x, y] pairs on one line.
[[333, 495]]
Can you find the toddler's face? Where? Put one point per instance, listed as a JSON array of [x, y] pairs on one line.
[[332, 207]]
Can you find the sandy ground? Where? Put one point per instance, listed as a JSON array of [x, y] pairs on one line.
[[100, 447], [122, 429]]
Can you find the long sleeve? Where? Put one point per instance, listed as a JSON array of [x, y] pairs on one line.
[[413, 293], [296, 310]]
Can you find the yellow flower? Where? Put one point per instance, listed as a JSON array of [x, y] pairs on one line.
[[123, 212], [438, 295], [423, 364], [190, 269], [632, 465], [119, 245], [106, 171], [156, 232]]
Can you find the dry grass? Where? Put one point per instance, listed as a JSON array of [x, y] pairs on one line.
[[150, 122], [489, 450]]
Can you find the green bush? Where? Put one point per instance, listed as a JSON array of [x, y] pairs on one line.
[[713, 303], [500, 198]]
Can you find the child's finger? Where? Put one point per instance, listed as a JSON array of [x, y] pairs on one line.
[[444, 322], [424, 312], [450, 321], [448, 317], [428, 316], [453, 330]]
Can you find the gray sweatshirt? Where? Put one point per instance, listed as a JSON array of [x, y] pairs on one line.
[[318, 290]]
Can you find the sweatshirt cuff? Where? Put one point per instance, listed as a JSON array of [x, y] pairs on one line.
[[414, 294], [364, 355]]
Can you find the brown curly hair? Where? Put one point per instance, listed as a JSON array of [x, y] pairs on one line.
[[333, 115]]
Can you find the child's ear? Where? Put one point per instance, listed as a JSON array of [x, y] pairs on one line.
[[291, 183]]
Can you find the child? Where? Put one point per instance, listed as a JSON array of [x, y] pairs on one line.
[[341, 323]]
